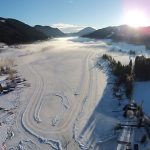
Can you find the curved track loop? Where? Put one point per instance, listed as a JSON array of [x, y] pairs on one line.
[[29, 120]]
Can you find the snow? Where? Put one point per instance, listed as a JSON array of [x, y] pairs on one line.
[[9, 101], [3, 79], [110, 34], [3, 21], [69, 104], [118, 93], [124, 136], [5, 127], [127, 47], [140, 94]]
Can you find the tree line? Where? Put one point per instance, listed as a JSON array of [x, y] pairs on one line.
[[123, 72], [126, 74], [142, 68]]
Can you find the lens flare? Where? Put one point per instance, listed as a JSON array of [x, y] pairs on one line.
[[135, 18]]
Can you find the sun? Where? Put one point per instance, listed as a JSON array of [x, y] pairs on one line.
[[135, 18]]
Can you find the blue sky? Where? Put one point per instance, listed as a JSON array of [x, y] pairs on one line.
[[69, 15]]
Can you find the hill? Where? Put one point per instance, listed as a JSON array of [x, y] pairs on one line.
[[125, 33], [49, 31], [85, 31], [16, 32], [82, 32]]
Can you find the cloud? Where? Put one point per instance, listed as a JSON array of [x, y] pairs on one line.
[[66, 28], [70, 1]]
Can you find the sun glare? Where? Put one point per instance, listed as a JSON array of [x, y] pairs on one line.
[[135, 18]]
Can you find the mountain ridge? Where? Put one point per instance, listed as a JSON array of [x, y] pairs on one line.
[[126, 33], [49, 31], [84, 31], [13, 31]]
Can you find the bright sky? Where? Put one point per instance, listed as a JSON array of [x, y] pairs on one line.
[[72, 15]]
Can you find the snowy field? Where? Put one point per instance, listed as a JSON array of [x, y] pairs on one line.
[[69, 103]]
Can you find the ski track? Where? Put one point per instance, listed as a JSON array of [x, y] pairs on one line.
[[61, 110], [38, 105], [22, 126], [82, 143], [39, 88], [82, 79], [36, 101], [68, 104]]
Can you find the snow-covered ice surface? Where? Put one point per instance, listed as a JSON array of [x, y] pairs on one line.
[[69, 103]]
